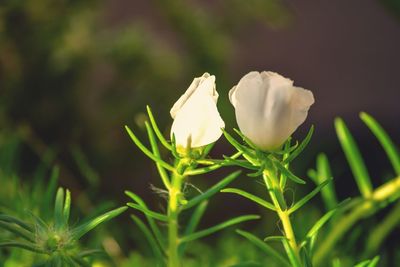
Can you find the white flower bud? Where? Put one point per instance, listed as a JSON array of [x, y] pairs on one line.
[[196, 118], [269, 108]]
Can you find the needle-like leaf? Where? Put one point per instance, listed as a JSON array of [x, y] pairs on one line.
[[156, 151], [67, 206], [159, 135], [153, 214], [193, 223], [212, 190], [309, 196], [252, 197], [150, 238], [301, 147], [147, 152], [59, 209], [384, 139], [288, 173], [150, 220], [218, 227], [264, 247], [82, 229], [354, 158]]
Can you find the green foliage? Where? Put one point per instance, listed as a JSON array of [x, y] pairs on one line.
[[56, 240], [185, 164]]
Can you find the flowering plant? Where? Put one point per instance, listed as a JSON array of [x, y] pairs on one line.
[[268, 109]]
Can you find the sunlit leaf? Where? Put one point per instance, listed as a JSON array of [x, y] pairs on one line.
[[82, 229], [157, 131], [212, 190], [309, 196], [252, 197], [384, 139], [154, 147], [153, 214], [218, 227], [301, 147], [147, 152], [354, 158]]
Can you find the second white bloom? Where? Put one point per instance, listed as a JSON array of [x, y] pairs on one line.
[[269, 108], [196, 118]]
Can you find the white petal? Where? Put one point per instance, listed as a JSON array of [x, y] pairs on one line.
[[192, 88], [198, 121], [268, 112], [196, 118]]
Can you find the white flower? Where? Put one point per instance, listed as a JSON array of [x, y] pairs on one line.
[[269, 108], [196, 118]]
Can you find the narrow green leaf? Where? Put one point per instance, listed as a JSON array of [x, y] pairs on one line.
[[153, 214], [17, 230], [209, 161], [324, 172], [309, 196], [52, 186], [258, 173], [11, 219], [146, 151], [203, 170], [156, 231], [67, 206], [313, 232], [291, 254], [160, 136], [82, 229], [374, 262], [150, 238], [245, 139], [90, 252], [193, 223], [252, 197], [247, 153], [354, 158], [274, 238], [301, 147], [240, 163], [288, 173], [196, 217], [282, 178], [58, 209], [218, 227], [212, 190], [384, 139], [264, 247], [306, 257], [156, 151], [369, 263], [206, 150], [23, 245]]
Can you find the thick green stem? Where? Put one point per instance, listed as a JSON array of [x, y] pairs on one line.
[[279, 202], [173, 216]]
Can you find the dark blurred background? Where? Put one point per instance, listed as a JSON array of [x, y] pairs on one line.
[[73, 73]]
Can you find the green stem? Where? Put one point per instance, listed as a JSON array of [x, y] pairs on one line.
[[278, 200], [380, 197], [173, 215]]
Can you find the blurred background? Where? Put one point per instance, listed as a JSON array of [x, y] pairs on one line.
[[73, 73]]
